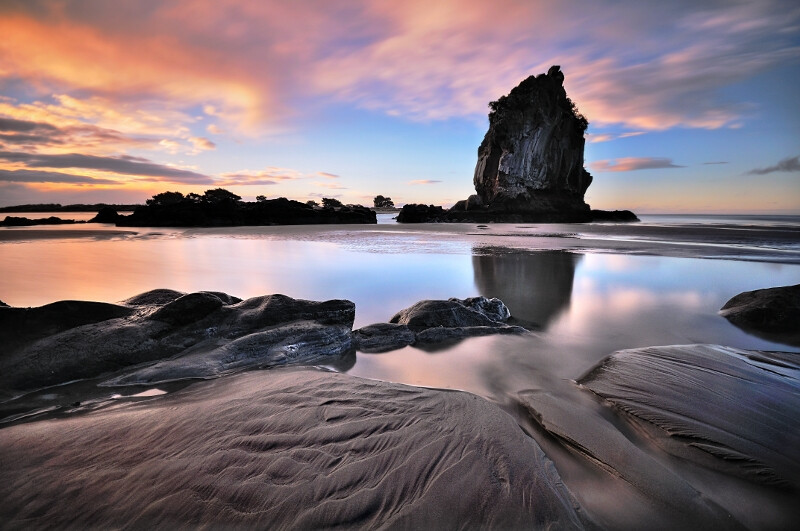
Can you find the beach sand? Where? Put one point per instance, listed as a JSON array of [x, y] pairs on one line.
[[300, 449]]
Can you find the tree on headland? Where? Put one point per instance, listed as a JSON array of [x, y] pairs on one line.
[[261, 198], [329, 202], [220, 195], [312, 203], [383, 202], [165, 198]]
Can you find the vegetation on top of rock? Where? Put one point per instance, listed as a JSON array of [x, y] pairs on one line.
[[383, 202], [221, 208]]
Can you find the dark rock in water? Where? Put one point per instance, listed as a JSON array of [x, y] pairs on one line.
[[187, 309], [190, 212], [733, 410], [437, 323], [382, 337], [449, 314], [530, 163], [295, 449], [446, 335], [773, 313], [106, 214], [19, 326], [298, 342], [414, 213], [154, 297], [625, 216], [13, 221], [212, 333]]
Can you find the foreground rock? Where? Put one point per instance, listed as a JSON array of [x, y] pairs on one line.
[[773, 313], [207, 334], [733, 410], [530, 163], [294, 449], [432, 322]]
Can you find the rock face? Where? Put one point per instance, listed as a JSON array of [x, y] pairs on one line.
[[531, 159], [530, 163], [772, 313]]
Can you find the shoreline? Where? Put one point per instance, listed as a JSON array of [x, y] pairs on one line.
[[683, 241]]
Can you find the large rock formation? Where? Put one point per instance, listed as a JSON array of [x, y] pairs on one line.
[[531, 159], [530, 163]]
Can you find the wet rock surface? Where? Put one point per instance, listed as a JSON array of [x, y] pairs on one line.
[[207, 333], [773, 313]]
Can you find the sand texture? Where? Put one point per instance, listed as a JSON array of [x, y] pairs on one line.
[[293, 448], [740, 407]]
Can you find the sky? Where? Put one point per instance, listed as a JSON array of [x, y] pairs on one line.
[[693, 105]]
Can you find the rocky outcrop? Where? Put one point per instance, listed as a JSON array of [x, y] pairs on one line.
[[383, 337], [13, 221], [209, 334], [772, 313], [530, 163], [197, 335], [191, 212]]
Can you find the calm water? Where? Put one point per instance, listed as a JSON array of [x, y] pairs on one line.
[[587, 304]]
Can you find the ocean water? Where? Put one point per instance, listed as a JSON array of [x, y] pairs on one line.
[[589, 289]]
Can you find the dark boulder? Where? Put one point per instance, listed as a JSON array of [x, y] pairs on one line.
[[203, 334], [773, 313], [449, 314], [617, 216], [414, 213], [105, 215], [382, 337]]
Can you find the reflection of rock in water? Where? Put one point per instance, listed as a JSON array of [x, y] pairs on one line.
[[536, 286]]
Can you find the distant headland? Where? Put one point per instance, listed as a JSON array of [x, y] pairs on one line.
[[530, 163]]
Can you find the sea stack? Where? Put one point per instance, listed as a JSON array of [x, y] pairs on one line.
[[530, 163]]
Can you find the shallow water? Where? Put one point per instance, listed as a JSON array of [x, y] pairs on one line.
[[588, 290]]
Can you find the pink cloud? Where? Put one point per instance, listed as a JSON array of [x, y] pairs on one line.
[[632, 164], [423, 181]]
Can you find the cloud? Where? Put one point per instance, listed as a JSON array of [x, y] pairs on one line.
[[330, 186], [124, 164], [262, 63], [595, 138], [786, 165], [423, 181], [35, 135], [327, 175], [716, 162], [633, 164], [267, 176], [202, 144], [39, 176]]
